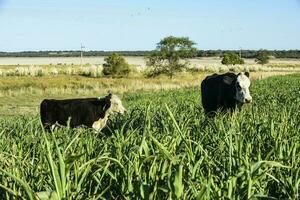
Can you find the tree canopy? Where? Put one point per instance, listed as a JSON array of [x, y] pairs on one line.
[[170, 55]]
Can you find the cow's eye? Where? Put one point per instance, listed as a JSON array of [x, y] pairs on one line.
[[238, 86]]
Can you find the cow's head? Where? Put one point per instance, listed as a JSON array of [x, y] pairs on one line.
[[241, 86], [115, 104]]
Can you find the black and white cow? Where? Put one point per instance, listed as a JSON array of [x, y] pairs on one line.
[[90, 112], [225, 92]]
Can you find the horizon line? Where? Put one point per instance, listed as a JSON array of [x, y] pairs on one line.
[[68, 50]]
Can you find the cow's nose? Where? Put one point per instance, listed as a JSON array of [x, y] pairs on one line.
[[248, 100], [122, 111]]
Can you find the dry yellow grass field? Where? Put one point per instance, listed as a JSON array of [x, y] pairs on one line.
[[23, 86], [22, 95]]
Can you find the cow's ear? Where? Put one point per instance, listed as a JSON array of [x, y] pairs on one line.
[[228, 80], [109, 94], [247, 74]]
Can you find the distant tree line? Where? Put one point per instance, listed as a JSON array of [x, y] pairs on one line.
[[71, 53], [200, 53], [250, 53]]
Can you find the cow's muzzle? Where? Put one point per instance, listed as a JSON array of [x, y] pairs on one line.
[[122, 112], [248, 100]]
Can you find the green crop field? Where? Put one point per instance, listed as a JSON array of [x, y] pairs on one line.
[[163, 148]]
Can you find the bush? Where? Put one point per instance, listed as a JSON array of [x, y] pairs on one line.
[[232, 59], [116, 66], [262, 57]]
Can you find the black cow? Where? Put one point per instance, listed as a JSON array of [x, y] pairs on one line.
[[225, 92], [90, 112]]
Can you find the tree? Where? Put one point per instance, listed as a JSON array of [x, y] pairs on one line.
[[232, 59], [171, 56], [262, 57], [116, 66]]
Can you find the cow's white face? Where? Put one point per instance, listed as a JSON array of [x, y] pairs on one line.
[[116, 105], [242, 88]]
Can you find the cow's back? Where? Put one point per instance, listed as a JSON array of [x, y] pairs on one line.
[[85, 112], [216, 94], [210, 87], [49, 112], [75, 111]]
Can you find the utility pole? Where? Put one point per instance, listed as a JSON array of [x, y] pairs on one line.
[[81, 54], [240, 52]]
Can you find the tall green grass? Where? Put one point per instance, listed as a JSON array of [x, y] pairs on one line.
[[163, 148]]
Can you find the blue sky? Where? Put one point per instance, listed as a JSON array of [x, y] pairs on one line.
[[140, 24]]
